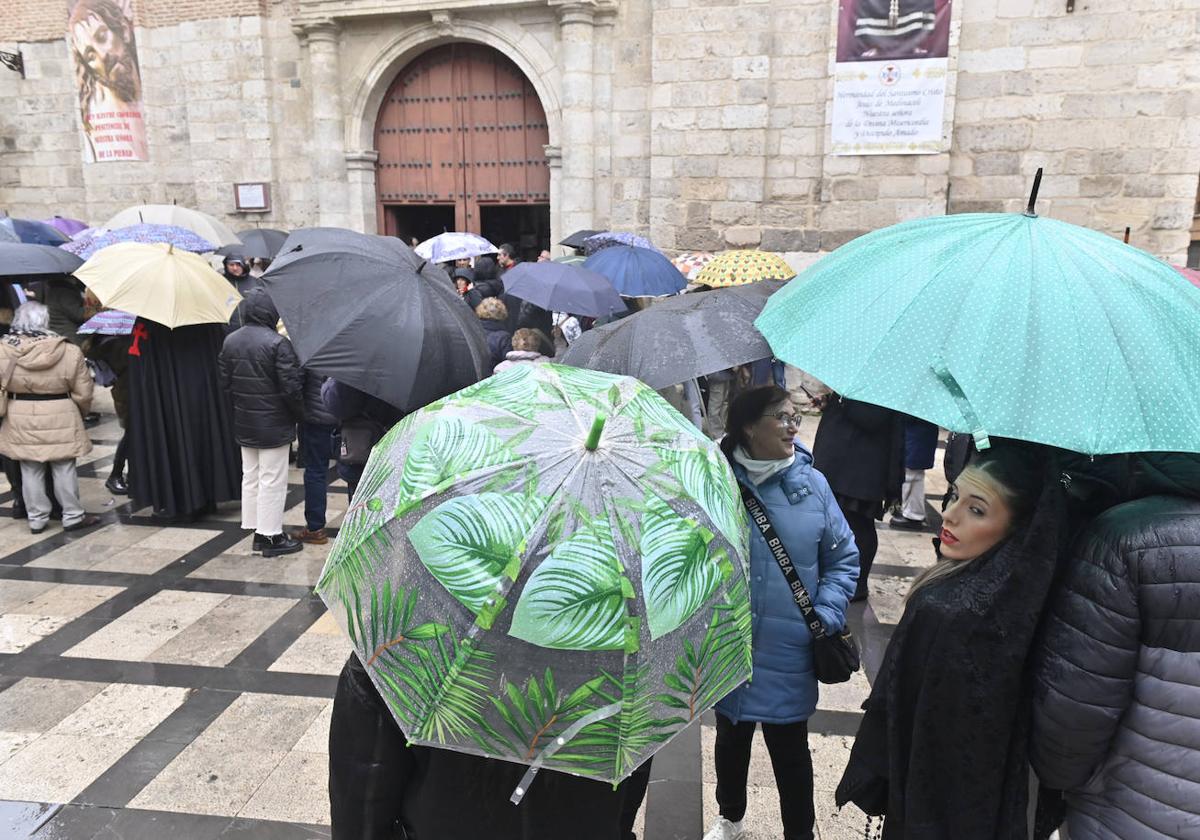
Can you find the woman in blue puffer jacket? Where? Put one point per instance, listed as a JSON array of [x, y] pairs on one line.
[[783, 692]]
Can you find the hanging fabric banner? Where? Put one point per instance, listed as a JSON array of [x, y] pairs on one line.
[[890, 77], [108, 80]]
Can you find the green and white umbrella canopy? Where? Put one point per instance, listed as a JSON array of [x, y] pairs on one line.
[[547, 567]]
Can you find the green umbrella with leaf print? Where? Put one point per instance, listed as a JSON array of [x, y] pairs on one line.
[[547, 567]]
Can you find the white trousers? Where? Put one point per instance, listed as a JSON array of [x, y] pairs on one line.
[[66, 490], [912, 497], [264, 489]]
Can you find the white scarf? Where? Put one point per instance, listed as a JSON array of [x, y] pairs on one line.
[[760, 471]]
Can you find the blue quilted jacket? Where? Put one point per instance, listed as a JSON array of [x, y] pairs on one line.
[[818, 540]]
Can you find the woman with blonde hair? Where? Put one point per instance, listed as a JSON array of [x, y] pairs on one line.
[[942, 751], [526, 349], [493, 314]]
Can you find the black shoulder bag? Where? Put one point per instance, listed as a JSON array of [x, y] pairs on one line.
[[835, 657]]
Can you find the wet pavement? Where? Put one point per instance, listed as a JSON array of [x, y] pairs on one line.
[[163, 682]]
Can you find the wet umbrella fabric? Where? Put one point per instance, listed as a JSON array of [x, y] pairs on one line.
[[1003, 324], [578, 239], [159, 283], [558, 287], [1192, 275], [68, 227], [609, 238], [34, 233], [7, 234], [637, 272], [369, 312], [549, 568], [183, 239], [202, 224], [19, 258], [689, 263], [681, 338], [736, 268], [454, 245], [108, 322], [256, 244]]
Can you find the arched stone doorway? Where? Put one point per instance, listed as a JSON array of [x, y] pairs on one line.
[[461, 136]]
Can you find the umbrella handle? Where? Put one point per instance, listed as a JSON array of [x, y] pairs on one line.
[[942, 372], [560, 741], [593, 438]]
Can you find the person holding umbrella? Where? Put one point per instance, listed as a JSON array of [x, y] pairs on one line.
[[48, 390]]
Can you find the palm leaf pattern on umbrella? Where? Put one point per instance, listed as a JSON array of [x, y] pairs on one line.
[[517, 595]]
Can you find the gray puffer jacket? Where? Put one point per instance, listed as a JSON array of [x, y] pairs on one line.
[[1116, 711]]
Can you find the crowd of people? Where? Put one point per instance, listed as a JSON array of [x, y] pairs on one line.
[[1044, 667]]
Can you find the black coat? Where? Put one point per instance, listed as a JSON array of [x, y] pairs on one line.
[[499, 339], [943, 747], [377, 782], [260, 371], [315, 410], [859, 448]]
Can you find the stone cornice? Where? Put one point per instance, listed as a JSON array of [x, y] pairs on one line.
[[317, 29], [364, 160], [319, 12]]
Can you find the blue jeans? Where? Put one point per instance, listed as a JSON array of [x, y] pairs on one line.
[[316, 442]]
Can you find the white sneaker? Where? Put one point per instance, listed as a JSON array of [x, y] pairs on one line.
[[723, 829]]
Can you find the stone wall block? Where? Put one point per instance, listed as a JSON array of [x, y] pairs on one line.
[[790, 239], [743, 237]]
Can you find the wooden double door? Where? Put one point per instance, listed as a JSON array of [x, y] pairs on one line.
[[461, 137]]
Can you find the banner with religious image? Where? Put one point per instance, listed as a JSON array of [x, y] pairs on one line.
[[108, 80], [889, 88]]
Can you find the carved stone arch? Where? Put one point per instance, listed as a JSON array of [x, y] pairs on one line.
[[377, 73]]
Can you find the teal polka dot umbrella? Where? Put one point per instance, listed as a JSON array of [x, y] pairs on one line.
[[1003, 324]]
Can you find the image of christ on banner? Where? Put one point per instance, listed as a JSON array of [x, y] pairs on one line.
[[880, 30], [108, 80]]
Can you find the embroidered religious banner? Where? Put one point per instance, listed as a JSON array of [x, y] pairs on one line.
[[108, 80], [890, 77]]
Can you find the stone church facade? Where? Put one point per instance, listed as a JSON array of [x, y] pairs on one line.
[[704, 124]]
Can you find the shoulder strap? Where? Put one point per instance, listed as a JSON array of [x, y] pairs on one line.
[[758, 515]]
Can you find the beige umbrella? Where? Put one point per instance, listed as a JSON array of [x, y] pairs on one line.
[[201, 224], [160, 283]]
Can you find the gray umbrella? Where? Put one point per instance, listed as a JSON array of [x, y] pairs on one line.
[[256, 243], [19, 259], [680, 338], [369, 312]]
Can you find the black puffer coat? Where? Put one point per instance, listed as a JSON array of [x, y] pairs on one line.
[[499, 339], [314, 405], [1116, 716], [260, 371], [382, 789]]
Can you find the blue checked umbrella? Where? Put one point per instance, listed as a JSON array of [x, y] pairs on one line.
[[108, 322], [454, 245], [147, 234]]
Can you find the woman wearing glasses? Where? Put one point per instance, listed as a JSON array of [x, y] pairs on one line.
[[778, 472]]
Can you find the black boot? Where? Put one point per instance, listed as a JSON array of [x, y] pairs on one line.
[[281, 544], [116, 485]]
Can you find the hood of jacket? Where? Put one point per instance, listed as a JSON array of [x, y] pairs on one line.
[[1106, 480], [36, 352], [259, 309]]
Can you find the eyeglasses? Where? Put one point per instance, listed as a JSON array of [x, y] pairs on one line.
[[788, 419]]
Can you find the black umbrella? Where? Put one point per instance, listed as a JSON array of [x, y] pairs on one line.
[[559, 287], [369, 312], [680, 338], [19, 258], [575, 240], [256, 244]]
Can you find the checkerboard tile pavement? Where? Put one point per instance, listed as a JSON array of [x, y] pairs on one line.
[[163, 681]]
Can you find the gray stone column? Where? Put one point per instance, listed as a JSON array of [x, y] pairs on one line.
[[360, 172], [554, 159], [328, 150], [577, 199]]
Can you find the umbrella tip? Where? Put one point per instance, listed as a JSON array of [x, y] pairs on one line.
[[1033, 194], [170, 247], [593, 438], [1127, 231]]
